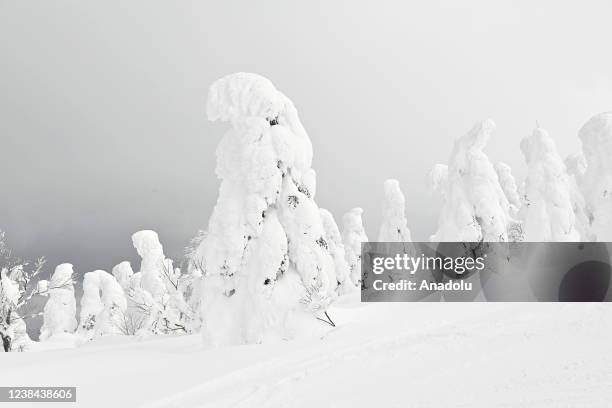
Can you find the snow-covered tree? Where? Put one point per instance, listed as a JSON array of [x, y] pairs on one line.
[[336, 249], [103, 305], [394, 226], [265, 239], [353, 234], [474, 207], [167, 309], [60, 310], [576, 168], [154, 265], [596, 184], [123, 272], [508, 185], [17, 289], [547, 214]]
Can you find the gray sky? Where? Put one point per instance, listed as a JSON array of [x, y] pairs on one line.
[[102, 104]]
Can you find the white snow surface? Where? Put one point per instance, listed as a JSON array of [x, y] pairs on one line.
[[379, 355]]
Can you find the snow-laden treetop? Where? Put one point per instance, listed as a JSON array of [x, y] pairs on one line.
[[147, 243], [596, 136], [242, 95], [62, 275]]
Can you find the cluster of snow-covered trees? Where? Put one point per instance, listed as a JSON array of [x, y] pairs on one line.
[[158, 299], [271, 260], [559, 201]]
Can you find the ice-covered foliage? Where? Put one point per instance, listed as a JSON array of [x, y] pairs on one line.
[[596, 185], [547, 213], [60, 310], [394, 226], [353, 234], [474, 207], [103, 305], [266, 227]]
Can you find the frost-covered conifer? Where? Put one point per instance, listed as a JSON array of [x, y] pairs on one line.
[[474, 207], [60, 310], [394, 226], [547, 214], [103, 305], [596, 185], [353, 234], [265, 240]]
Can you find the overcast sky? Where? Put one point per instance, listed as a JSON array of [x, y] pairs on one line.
[[102, 104]]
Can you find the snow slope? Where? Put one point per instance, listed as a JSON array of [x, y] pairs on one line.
[[388, 355]]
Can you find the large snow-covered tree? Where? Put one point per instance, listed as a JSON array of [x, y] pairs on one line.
[[353, 235], [265, 239], [474, 207], [60, 310], [547, 213], [596, 184]]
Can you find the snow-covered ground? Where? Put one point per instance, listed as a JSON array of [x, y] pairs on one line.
[[379, 355]]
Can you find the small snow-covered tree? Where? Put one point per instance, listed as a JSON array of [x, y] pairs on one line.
[[548, 214], [154, 264], [394, 226], [103, 305], [474, 207], [168, 311], [508, 185], [60, 310], [336, 249], [576, 168], [123, 272], [353, 234], [265, 239], [596, 184], [17, 289]]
